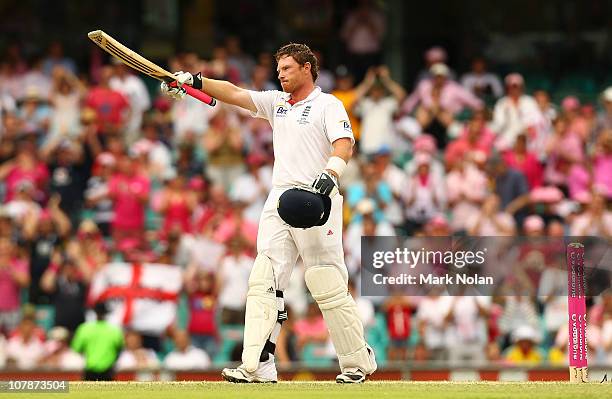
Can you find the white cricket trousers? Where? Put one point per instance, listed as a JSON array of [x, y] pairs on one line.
[[318, 246]]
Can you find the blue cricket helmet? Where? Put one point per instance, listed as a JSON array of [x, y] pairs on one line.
[[302, 208]]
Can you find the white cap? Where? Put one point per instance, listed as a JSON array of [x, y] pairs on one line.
[[439, 69], [525, 332], [607, 94]]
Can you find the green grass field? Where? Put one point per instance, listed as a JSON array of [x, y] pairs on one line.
[[299, 390]]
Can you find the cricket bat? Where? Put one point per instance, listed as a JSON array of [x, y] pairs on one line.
[[141, 64]]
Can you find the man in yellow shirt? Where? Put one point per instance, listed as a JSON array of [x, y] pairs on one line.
[[345, 92], [525, 350]]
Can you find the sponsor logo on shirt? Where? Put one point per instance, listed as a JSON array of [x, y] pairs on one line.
[[346, 125], [281, 111]]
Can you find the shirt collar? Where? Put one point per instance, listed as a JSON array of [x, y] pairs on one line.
[[313, 94]]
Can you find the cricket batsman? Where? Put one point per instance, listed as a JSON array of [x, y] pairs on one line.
[[302, 215]]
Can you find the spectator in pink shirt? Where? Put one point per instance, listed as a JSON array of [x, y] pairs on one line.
[[576, 122], [476, 136], [24, 167], [13, 276], [129, 191], [602, 165], [525, 161], [111, 107], [437, 101], [564, 148]]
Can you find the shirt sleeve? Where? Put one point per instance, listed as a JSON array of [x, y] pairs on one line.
[[336, 122], [264, 102]]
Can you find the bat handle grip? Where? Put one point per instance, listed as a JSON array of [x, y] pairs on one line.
[[200, 95]]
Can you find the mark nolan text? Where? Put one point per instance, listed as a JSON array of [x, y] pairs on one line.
[[430, 279]]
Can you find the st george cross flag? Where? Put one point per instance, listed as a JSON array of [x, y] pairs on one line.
[[143, 297]]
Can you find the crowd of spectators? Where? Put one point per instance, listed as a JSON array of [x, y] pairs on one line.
[[96, 167]]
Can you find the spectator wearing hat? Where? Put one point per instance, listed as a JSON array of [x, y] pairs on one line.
[[35, 112], [433, 55], [426, 144], [58, 354], [437, 100], [482, 83], [97, 195], [100, 343], [112, 108], [602, 163], [424, 196], [371, 185], [563, 149], [186, 356], [13, 277], [377, 100], [362, 226], [576, 122], [466, 188], [515, 113], [23, 203], [524, 350], [604, 118], [346, 92]]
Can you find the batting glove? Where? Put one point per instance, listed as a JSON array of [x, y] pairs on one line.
[[178, 92], [326, 184]]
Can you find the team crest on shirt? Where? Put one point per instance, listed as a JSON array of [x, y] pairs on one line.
[[346, 125], [304, 117]]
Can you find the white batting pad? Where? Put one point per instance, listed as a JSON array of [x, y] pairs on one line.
[[261, 311], [330, 291]]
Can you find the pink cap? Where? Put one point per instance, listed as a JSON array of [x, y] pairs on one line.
[[435, 54], [533, 223], [570, 103], [196, 183], [514, 79], [425, 143], [549, 194]]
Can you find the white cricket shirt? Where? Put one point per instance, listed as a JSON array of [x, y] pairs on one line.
[[303, 133]]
